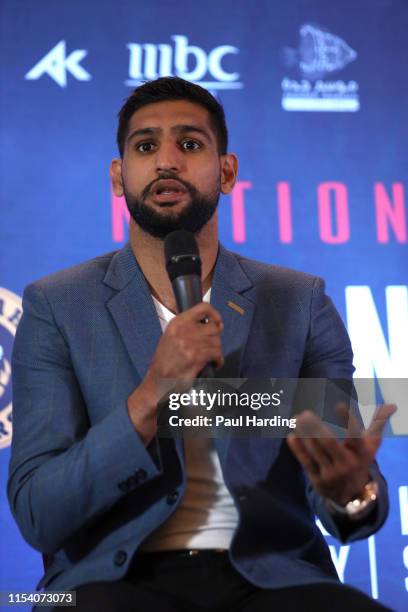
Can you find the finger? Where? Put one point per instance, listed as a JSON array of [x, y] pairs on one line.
[[210, 328], [195, 343], [309, 425], [190, 330], [380, 419], [355, 428], [301, 453], [212, 343], [209, 355], [318, 452], [346, 415], [332, 449], [363, 448], [195, 331], [370, 441], [201, 311], [325, 447]]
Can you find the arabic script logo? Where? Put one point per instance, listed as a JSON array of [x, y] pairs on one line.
[[319, 54]]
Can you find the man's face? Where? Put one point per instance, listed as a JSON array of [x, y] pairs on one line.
[[171, 173]]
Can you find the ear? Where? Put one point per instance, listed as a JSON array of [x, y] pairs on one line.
[[115, 172], [229, 171]]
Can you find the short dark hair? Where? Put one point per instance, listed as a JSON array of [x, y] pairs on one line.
[[172, 88]]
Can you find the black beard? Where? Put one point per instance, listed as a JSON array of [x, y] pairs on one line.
[[192, 218]]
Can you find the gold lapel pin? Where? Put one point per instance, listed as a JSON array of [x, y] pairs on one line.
[[236, 307]]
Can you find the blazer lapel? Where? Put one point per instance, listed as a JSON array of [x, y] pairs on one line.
[[228, 285], [236, 310], [132, 309]]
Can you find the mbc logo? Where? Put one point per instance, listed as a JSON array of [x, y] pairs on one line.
[[150, 61]]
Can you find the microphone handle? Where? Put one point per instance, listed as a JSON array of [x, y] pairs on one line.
[[188, 293], [187, 290]]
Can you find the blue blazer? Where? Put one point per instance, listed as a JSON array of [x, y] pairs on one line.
[[83, 488]]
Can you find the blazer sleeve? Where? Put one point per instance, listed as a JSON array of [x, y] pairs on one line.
[[329, 355], [63, 477]]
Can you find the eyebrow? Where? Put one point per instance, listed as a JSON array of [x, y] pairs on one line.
[[181, 129]]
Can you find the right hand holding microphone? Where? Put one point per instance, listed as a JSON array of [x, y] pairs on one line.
[[184, 349]]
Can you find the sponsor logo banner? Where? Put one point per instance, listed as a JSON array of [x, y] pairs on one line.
[[319, 55]]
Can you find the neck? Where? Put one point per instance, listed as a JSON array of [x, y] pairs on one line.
[[149, 252]]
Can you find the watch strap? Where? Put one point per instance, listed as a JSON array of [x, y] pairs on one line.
[[359, 507]]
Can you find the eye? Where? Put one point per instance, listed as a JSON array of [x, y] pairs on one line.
[[190, 145], [145, 147]]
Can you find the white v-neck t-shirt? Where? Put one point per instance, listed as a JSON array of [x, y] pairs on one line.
[[207, 516]]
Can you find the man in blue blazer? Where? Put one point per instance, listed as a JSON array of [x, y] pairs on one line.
[[133, 521]]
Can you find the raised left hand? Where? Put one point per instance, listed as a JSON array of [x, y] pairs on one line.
[[338, 470]]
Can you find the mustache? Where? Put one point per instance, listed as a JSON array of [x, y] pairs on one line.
[[169, 175]]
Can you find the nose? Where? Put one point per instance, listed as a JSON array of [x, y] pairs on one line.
[[169, 158]]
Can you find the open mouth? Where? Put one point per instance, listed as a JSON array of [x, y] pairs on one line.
[[168, 190]]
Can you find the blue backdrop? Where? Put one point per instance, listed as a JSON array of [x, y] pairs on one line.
[[315, 93]]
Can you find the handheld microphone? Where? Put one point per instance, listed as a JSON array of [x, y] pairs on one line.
[[183, 264]]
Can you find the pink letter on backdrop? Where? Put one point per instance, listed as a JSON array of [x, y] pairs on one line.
[[238, 210], [390, 212], [341, 233], [284, 212], [120, 217]]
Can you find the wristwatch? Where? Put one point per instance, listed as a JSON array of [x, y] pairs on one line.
[[358, 508]]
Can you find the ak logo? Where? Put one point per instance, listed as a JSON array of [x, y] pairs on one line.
[[211, 70], [10, 314], [57, 64]]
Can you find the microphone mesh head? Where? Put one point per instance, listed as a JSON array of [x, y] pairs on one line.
[[181, 254]]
